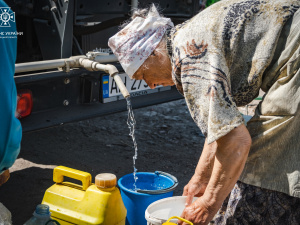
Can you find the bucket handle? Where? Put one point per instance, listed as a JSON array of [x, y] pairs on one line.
[[179, 218], [161, 191]]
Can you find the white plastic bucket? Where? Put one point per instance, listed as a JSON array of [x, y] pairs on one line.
[[160, 211]]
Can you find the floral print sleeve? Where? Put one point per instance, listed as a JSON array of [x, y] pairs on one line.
[[223, 56], [206, 88]]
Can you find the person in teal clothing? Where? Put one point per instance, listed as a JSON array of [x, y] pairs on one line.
[[10, 126]]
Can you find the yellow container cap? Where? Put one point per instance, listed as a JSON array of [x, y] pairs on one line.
[[106, 180]]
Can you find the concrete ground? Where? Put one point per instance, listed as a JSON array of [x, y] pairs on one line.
[[168, 140]]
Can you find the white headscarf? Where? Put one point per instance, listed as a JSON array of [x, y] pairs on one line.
[[135, 42]]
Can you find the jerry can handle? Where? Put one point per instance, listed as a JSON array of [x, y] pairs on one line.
[[179, 218], [60, 172]]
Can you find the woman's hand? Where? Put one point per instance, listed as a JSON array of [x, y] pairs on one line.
[[195, 188], [200, 179], [199, 212], [228, 163]]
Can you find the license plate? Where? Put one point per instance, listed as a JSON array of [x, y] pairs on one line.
[[111, 91]]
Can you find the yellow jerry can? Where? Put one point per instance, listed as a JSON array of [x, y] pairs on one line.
[[98, 203]]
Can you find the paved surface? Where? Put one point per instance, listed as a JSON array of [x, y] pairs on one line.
[[168, 140]]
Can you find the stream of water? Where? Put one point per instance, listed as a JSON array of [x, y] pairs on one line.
[[131, 125]]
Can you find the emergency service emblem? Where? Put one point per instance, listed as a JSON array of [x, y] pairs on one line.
[[6, 16]]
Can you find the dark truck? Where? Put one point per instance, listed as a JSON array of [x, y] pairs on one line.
[[58, 29]]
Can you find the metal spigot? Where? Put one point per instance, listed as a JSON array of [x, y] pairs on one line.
[[112, 70]]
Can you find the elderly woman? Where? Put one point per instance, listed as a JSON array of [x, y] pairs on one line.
[[219, 60]]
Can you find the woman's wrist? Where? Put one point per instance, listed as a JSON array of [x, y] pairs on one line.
[[201, 179], [203, 175], [206, 162], [209, 204], [213, 199]]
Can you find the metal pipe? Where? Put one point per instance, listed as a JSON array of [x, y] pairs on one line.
[[112, 70], [58, 63], [106, 58], [134, 5], [76, 61], [40, 65], [121, 86], [114, 73]]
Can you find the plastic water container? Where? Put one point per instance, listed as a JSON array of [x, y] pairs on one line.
[[160, 211], [5, 215], [41, 216], [85, 204], [150, 188]]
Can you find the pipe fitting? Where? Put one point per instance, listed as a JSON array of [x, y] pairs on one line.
[[88, 64], [112, 70], [121, 86]]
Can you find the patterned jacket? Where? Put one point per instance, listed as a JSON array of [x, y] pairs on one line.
[[224, 55]]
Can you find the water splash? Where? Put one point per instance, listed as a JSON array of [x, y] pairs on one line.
[[131, 125]]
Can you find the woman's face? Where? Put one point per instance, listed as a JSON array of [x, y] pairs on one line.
[[156, 70]]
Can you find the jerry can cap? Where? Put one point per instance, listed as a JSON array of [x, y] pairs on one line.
[[106, 180]]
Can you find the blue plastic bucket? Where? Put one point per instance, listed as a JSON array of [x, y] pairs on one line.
[[150, 188]]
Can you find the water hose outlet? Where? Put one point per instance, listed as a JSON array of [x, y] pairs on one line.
[[112, 70]]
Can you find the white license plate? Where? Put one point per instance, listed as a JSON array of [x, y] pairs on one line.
[[111, 91]]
